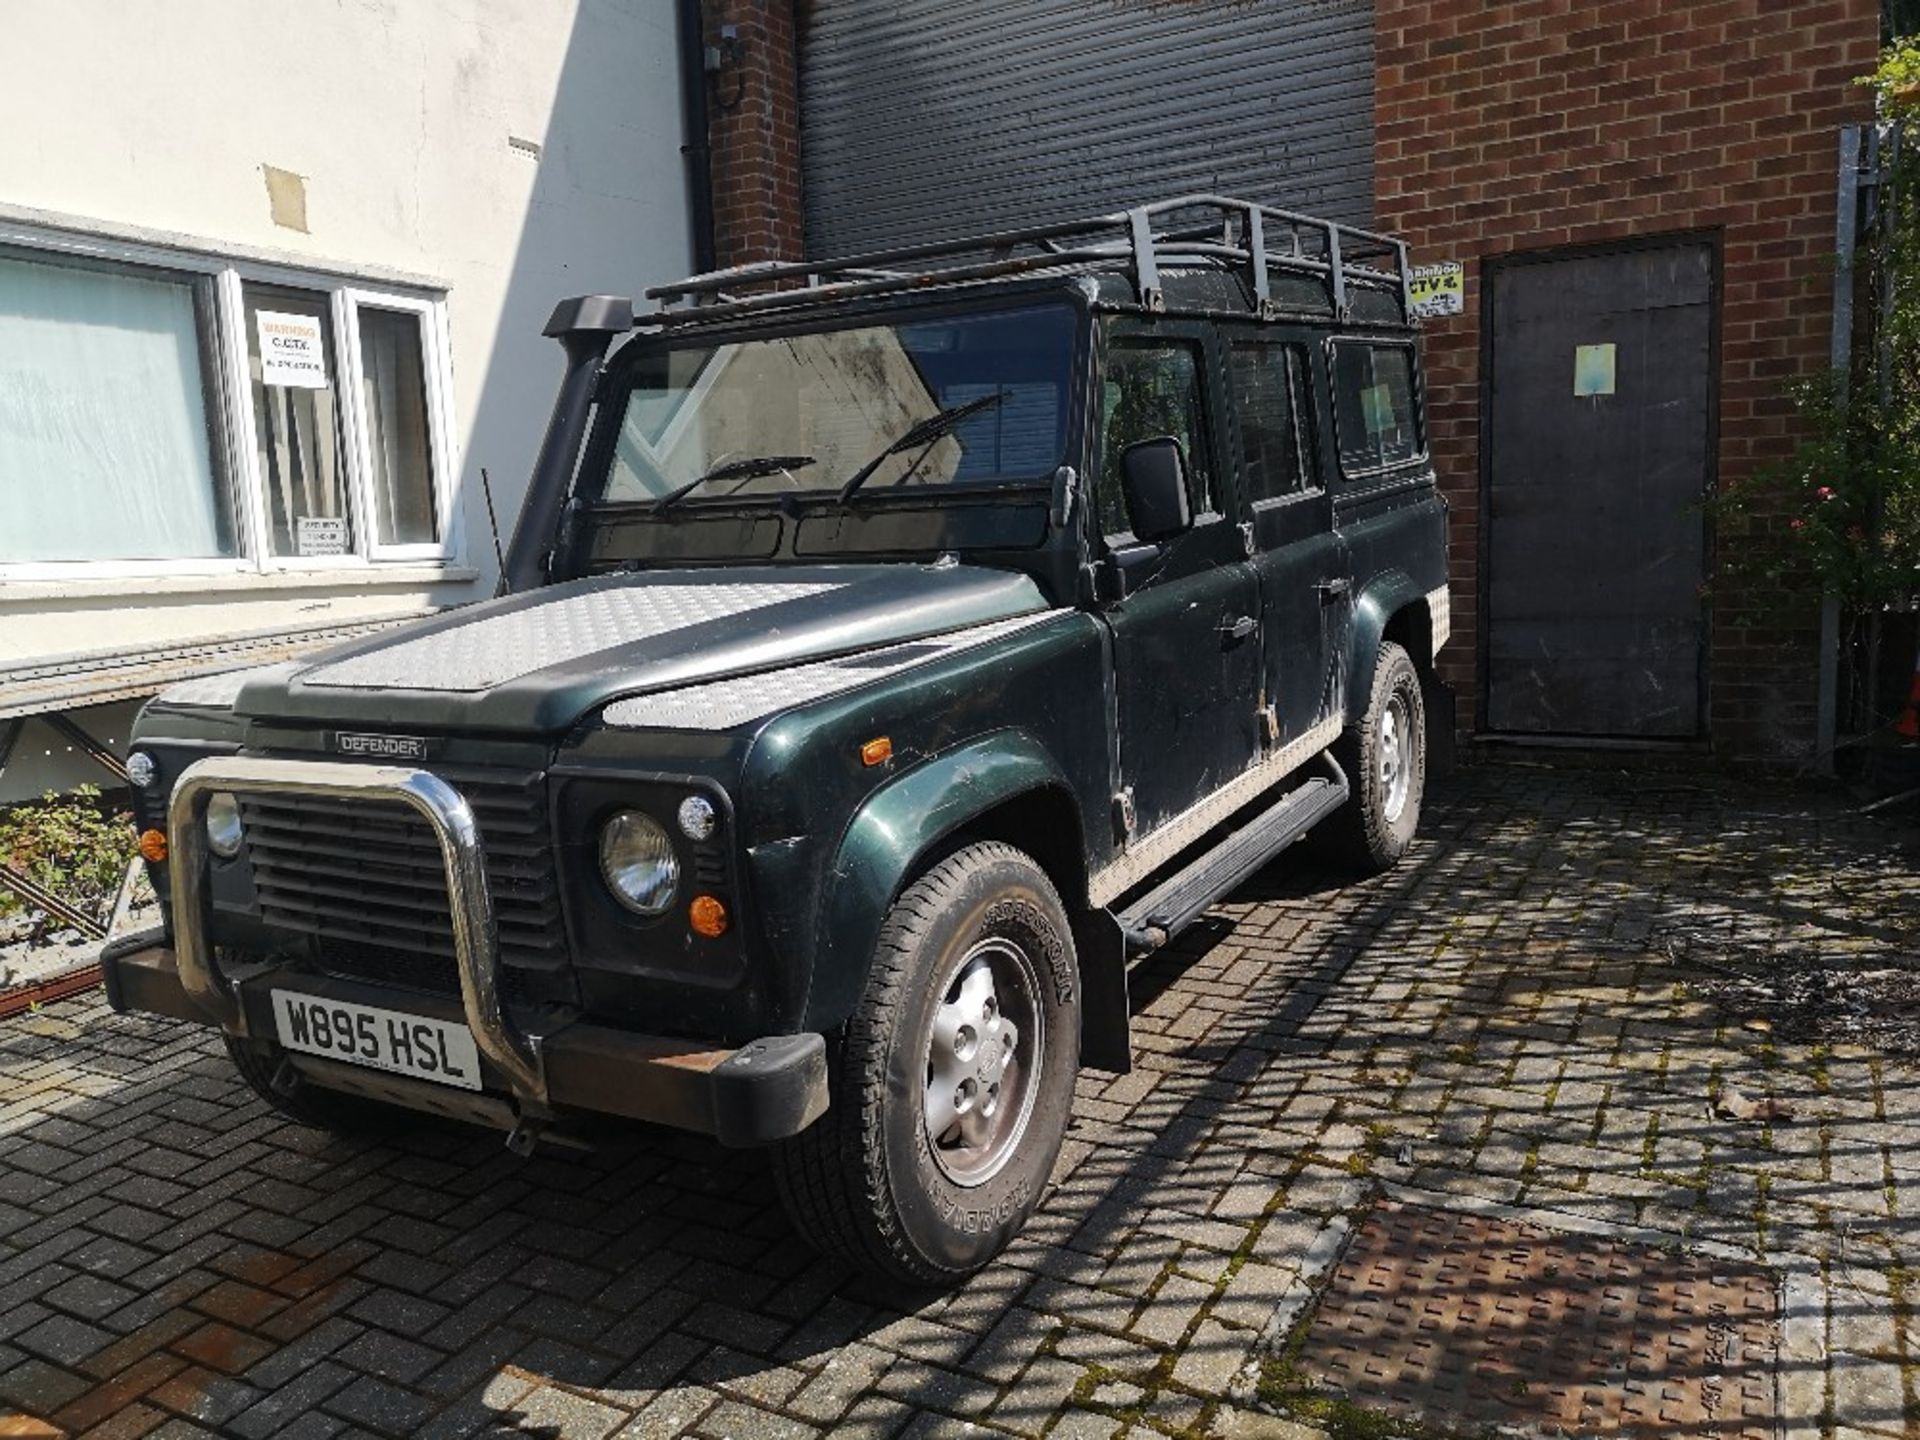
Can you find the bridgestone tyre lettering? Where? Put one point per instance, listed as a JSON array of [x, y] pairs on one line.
[[310, 1105], [864, 1182], [1368, 833]]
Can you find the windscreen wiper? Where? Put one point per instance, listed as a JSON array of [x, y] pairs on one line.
[[923, 432], [748, 469]]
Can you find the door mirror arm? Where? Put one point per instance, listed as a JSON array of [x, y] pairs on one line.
[[1126, 569]]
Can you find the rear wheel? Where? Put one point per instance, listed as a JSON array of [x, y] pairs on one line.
[[952, 1083], [306, 1103], [1385, 757]]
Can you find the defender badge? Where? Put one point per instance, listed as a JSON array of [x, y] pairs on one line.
[[385, 747]]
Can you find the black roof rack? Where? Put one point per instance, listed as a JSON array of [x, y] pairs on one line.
[[1220, 229]]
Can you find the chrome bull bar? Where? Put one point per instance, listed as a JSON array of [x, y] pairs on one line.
[[475, 942]]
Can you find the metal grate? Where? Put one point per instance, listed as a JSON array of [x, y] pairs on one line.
[[1470, 1321], [366, 878]]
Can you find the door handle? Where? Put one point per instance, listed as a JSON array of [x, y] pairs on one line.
[[1331, 590], [1239, 627]]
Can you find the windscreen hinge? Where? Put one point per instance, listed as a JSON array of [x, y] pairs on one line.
[[1066, 480]]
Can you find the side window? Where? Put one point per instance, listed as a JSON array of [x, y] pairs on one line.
[[1152, 390], [1269, 399], [1374, 406]]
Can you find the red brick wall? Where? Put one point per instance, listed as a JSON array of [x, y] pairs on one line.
[[1522, 125], [753, 121]]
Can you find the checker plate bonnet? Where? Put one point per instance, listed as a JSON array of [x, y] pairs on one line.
[[542, 660], [723, 704], [218, 692], [486, 652]]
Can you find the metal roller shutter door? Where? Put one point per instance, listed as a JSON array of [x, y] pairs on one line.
[[923, 119]]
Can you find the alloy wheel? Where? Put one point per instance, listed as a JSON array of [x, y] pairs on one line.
[[983, 1059]]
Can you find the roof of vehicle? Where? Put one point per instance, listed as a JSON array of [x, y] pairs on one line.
[[1193, 252]]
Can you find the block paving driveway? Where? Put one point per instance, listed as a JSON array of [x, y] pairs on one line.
[[1499, 1027]]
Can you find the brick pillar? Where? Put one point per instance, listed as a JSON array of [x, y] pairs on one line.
[[753, 120]]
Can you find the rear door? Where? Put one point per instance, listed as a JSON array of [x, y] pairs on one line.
[[1187, 653], [1301, 562]]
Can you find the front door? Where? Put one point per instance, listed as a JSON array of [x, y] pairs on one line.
[[1599, 455], [1302, 563], [1187, 639]]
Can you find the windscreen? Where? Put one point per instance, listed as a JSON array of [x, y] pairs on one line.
[[978, 400]]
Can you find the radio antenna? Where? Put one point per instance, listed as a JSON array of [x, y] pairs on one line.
[[500, 586]]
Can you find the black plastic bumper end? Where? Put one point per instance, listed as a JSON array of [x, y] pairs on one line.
[[770, 1089]]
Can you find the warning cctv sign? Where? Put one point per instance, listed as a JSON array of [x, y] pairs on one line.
[[291, 351], [1439, 290]]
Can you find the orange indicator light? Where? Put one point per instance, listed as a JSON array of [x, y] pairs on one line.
[[877, 751], [153, 846], [707, 916]]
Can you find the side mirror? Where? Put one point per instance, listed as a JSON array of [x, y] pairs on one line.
[[1153, 475]]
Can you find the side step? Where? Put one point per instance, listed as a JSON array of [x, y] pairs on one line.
[[1183, 897]]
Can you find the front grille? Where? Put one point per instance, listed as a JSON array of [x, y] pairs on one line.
[[365, 878], [433, 974], [385, 965]]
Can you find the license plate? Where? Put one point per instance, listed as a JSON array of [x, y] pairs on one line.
[[392, 1040]]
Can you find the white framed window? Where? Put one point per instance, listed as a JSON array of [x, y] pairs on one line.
[[169, 412]]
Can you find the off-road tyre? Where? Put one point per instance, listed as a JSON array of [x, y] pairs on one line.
[[862, 1183], [308, 1104], [1366, 835]]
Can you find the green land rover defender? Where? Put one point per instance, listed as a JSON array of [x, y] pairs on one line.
[[889, 653]]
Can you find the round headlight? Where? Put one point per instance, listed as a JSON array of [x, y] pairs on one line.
[[638, 863], [698, 819], [223, 824], [141, 769]]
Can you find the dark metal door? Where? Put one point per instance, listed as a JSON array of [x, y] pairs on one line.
[[1598, 456], [1306, 609], [1187, 669], [1186, 643], [1305, 579]]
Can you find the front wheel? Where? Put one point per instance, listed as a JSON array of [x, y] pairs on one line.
[[1385, 757], [952, 1083]]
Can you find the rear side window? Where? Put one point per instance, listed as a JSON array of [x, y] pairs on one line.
[[1374, 406], [1269, 399], [1152, 390]]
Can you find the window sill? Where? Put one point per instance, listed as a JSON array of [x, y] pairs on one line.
[[240, 582]]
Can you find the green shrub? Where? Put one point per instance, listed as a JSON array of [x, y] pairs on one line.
[[1839, 516], [75, 845]]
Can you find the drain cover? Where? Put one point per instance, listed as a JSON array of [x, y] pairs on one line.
[[1467, 1320]]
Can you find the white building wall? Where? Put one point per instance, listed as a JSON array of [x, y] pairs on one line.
[[413, 123]]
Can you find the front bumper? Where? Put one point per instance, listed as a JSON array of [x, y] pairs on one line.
[[766, 1090]]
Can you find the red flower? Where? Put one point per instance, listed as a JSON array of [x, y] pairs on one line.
[[1825, 492], [1799, 524]]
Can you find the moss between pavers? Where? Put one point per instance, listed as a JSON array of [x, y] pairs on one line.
[[1903, 1286], [1285, 1390]]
